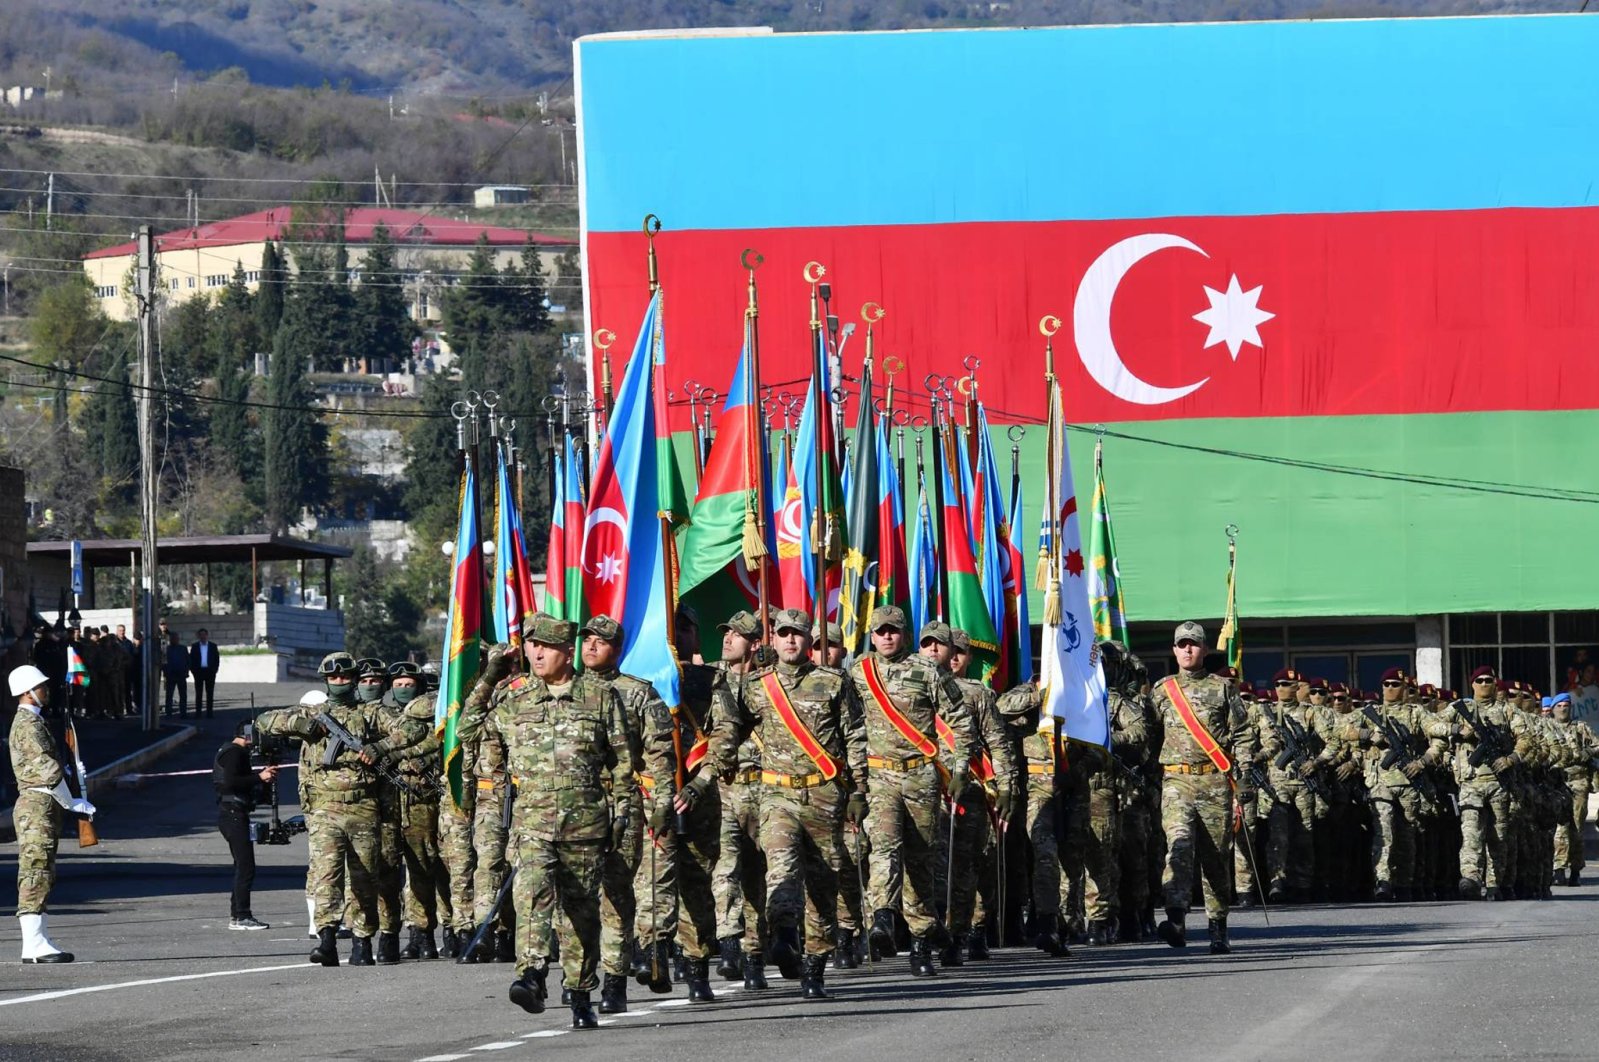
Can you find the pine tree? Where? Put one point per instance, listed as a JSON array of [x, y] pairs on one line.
[[119, 453], [475, 314], [236, 441], [528, 306], [370, 625], [296, 459], [381, 328], [270, 294]]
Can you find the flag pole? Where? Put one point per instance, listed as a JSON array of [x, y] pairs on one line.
[[652, 228], [755, 462], [1047, 577], [820, 521], [940, 422]]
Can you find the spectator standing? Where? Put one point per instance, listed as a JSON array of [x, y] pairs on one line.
[[204, 660], [175, 669]]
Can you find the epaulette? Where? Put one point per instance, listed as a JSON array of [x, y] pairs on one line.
[[512, 682]]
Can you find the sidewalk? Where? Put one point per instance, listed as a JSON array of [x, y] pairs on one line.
[[112, 748]]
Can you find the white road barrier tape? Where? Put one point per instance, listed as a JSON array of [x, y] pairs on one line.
[[188, 774]]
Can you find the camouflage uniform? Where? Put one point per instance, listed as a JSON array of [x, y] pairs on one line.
[[1036, 754], [456, 853], [1397, 804], [802, 812], [490, 822], [907, 788], [340, 801], [1579, 781], [1196, 799], [1114, 789], [993, 764], [1292, 816], [36, 765], [740, 878], [414, 747], [1486, 848], [1252, 818], [561, 742], [706, 708]]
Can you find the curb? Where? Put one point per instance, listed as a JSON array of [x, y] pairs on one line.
[[106, 777]]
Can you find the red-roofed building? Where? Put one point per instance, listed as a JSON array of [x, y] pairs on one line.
[[201, 260]]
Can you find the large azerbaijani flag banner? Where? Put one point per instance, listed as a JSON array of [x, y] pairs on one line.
[[1322, 279]]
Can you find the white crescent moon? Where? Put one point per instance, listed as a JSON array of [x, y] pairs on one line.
[[1091, 320], [596, 518]]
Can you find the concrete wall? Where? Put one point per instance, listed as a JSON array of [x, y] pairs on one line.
[[300, 631]]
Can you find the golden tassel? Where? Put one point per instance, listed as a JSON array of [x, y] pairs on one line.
[[1043, 570], [753, 546], [1052, 602]]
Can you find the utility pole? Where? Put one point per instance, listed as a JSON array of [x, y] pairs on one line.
[[7, 275], [148, 471], [49, 200]]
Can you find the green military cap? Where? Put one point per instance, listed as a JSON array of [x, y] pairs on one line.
[[604, 627], [791, 619], [337, 664], [835, 633], [1191, 631], [548, 630], [938, 631], [743, 623], [960, 640], [888, 616], [368, 666]]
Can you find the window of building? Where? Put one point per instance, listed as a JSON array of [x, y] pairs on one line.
[[1549, 649], [191, 282], [106, 292], [252, 276], [173, 284], [217, 280]]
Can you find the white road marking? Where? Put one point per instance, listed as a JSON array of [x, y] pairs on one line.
[[545, 1034], [499, 1046], [441, 1058], [41, 997], [672, 1003]]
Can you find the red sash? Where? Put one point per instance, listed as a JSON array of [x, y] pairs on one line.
[[982, 766], [885, 704], [1196, 729], [796, 726]]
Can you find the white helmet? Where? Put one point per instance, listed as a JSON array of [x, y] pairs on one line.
[[314, 699], [25, 678]]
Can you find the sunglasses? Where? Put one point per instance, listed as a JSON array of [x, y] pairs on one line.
[[1483, 682], [1392, 685], [1287, 682]]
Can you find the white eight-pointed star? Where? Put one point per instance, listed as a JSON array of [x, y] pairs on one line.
[[1234, 317]]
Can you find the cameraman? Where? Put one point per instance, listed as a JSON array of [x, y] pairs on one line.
[[236, 783]]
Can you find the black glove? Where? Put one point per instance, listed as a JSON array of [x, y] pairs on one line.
[[690, 794], [661, 816], [855, 808], [499, 663], [619, 832], [1007, 805], [309, 729]]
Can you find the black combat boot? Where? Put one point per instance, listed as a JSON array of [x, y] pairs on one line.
[[844, 957], [921, 958], [483, 952], [388, 949], [326, 951], [566, 996], [1046, 936], [413, 944], [786, 951], [1147, 923], [504, 946], [754, 972], [361, 952], [950, 954], [1131, 931], [811, 979], [1383, 893], [1098, 934], [528, 991], [1470, 889], [640, 963], [450, 947], [425, 948], [698, 979], [1574, 877], [881, 938], [1218, 936], [613, 994], [660, 967], [977, 944], [583, 1012], [730, 966], [1280, 894], [1245, 898], [1174, 930]]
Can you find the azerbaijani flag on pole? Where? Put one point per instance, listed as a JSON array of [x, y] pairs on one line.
[[458, 663], [77, 674], [563, 578], [1104, 577], [966, 607], [992, 541], [893, 576], [1073, 681], [625, 555], [1018, 629], [923, 565], [865, 518], [510, 563]]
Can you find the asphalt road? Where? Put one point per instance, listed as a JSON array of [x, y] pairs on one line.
[[160, 976]]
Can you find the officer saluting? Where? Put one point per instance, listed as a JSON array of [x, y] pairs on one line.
[[41, 785]]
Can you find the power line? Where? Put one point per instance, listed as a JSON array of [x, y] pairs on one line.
[[289, 180]]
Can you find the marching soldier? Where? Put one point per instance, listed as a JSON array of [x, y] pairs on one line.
[[413, 746], [340, 800], [851, 855], [992, 765], [1396, 802], [371, 686], [807, 722], [903, 698], [491, 828], [1042, 753], [458, 857], [740, 880], [1290, 847], [1204, 732], [41, 785], [563, 732], [639, 895], [1579, 780], [1113, 786]]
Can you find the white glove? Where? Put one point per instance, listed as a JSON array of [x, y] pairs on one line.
[[64, 797]]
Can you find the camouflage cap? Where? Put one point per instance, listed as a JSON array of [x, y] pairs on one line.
[[1191, 631], [960, 640], [339, 663], [937, 631], [835, 633], [549, 630], [888, 616], [791, 619], [604, 627], [743, 623]]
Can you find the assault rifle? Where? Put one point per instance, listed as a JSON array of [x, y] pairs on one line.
[[1493, 740], [1297, 752], [1400, 752], [340, 739]]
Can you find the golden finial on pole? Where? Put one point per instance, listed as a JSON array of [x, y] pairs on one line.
[[603, 338], [813, 274], [652, 225]]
